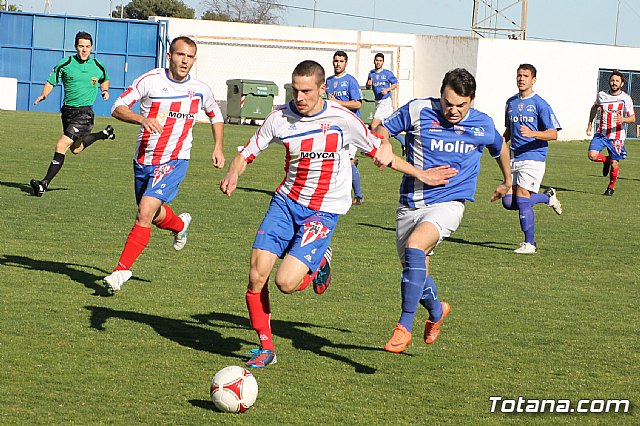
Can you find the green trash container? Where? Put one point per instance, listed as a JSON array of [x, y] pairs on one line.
[[287, 93], [249, 99], [368, 107]]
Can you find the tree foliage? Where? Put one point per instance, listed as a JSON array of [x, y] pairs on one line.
[[252, 11], [5, 5], [142, 9]]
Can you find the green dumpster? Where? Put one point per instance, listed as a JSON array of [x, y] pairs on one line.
[[249, 99], [368, 107]]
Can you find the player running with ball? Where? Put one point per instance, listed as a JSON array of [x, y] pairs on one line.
[[304, 211]]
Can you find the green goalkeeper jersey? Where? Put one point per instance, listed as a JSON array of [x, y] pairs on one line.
[[81, 80]]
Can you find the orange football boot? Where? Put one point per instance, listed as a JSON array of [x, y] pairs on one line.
[[400, 340], [432, 329]]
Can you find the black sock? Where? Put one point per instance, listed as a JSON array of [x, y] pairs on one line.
[[54, 167], [92, 137]]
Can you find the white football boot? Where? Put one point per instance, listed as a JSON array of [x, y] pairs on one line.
[[554, 203], [115, 281], [525, 248], [180, 238]]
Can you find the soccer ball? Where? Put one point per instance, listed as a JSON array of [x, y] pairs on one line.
[[234, 389]]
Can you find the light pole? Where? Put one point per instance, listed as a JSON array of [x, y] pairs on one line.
[[615, 37], [314, 13], [373, 23]]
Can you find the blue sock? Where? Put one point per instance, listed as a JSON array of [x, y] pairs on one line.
[[430, 300], [400, 139], [414, 276], [507, 202], [527, 219], [539, 198], [355, 181]]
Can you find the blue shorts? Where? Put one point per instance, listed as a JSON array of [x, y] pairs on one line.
[[615, 147], [290, 228], [159, 181]]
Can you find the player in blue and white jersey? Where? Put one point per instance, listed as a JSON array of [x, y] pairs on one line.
[[382, 82], [345, 90], [445, 131], [530, 123]]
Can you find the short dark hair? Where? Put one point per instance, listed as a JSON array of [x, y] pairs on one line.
[[528, 67], [342, 54], [83, 36], [379, 55], [617, 73], [186, 39], [461, 81], [309, 68]]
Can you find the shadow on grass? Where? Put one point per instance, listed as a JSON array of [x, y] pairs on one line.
[[205, 404], [371, 225], [626, 178], [74, 271], [562, 189], [26, 188], [186, 333], [299, 336], [490, 244], [262, 191]]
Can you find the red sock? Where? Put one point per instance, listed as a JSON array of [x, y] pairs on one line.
[[260, 316], [136, 242], [613, 177], [601, 159], [170, 221]]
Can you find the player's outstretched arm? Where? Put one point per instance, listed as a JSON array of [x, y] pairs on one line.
[[48, 87], [434, 176], [230, 181], [505, 167], [384, 154], [217, 157]]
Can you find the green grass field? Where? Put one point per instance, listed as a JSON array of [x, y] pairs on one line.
[[562, 323]]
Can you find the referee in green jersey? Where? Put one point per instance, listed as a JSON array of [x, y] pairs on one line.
[[81, 76]]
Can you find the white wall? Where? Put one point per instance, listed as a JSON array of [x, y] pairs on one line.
[[567, 72], [229, 50], [567, 77], [435, 55], [8, 93]]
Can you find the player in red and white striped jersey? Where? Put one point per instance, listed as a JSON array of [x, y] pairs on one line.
[[615, 111], [169, 104], [316, 189]]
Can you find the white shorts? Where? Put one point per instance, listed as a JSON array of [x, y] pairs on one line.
[[528, 174], [384, 108], [446, 217]]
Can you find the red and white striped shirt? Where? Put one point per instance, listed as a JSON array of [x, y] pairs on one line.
[[175, 105], [317, 164], [609, 106]]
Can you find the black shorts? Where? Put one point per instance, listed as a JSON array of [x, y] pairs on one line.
[[76, 121]]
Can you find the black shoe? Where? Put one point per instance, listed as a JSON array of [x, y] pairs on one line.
[[606, 168], [38, 187], [109, 132], [608, 192]]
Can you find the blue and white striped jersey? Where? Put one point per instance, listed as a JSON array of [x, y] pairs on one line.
[[432, 141]]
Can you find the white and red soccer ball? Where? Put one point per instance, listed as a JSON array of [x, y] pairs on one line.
[[234, 389]]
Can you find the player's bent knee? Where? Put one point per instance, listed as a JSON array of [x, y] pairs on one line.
[[287, 285]]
